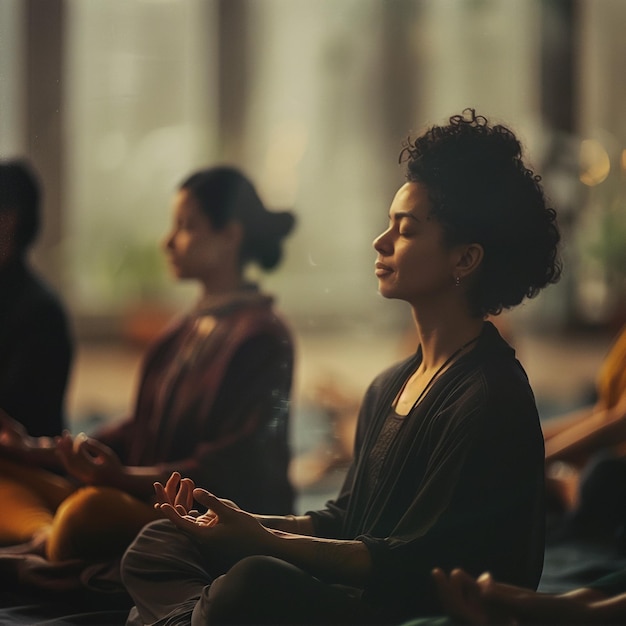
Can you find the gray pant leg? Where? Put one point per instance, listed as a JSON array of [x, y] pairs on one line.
[[165, 573]]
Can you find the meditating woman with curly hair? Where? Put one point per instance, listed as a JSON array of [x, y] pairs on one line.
[[448, 466]]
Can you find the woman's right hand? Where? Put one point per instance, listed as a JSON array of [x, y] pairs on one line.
[[177, 492], [222, 523], [223, 526]]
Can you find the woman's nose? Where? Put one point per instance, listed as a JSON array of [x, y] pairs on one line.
[[381, 243]]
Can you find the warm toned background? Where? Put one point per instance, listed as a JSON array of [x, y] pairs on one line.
[[114, 101]]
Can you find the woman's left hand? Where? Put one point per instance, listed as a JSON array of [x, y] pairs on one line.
[[90, 461]]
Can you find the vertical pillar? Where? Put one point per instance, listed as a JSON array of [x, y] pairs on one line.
[[560, 97], [44, 28], [233, 76], [559, 93], [399, 76]]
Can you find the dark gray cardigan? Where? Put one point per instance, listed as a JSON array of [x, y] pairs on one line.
[[462, 484]]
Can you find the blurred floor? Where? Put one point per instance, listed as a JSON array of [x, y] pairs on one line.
[[561, 369]]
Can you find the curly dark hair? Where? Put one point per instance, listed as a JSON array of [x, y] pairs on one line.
[[481, 192]]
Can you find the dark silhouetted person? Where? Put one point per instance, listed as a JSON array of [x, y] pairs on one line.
[[35, 340]]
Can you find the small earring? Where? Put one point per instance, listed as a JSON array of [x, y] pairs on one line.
[[457, 281]]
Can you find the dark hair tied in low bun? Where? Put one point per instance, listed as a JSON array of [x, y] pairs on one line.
[[225, 194]]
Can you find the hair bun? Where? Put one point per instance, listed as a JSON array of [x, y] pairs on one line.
[[264, 235], [224, 193]]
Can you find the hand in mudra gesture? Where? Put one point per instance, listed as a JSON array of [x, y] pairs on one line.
[[89, 460], [223, 526]]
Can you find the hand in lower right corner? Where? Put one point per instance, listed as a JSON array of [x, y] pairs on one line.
[[460, 597]]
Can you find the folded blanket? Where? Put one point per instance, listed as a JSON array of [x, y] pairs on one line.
[[24, 566]]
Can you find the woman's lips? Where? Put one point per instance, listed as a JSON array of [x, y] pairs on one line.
[[382, 269]]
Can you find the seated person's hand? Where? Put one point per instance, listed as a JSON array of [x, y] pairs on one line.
[[468, 600], [15, 438], [90, 461], [177, 493], [223, 526]]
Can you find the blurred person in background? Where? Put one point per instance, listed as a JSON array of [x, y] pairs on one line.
[[213, 399], [586, 455], [483, 600], [448, 462], [36, 345]]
